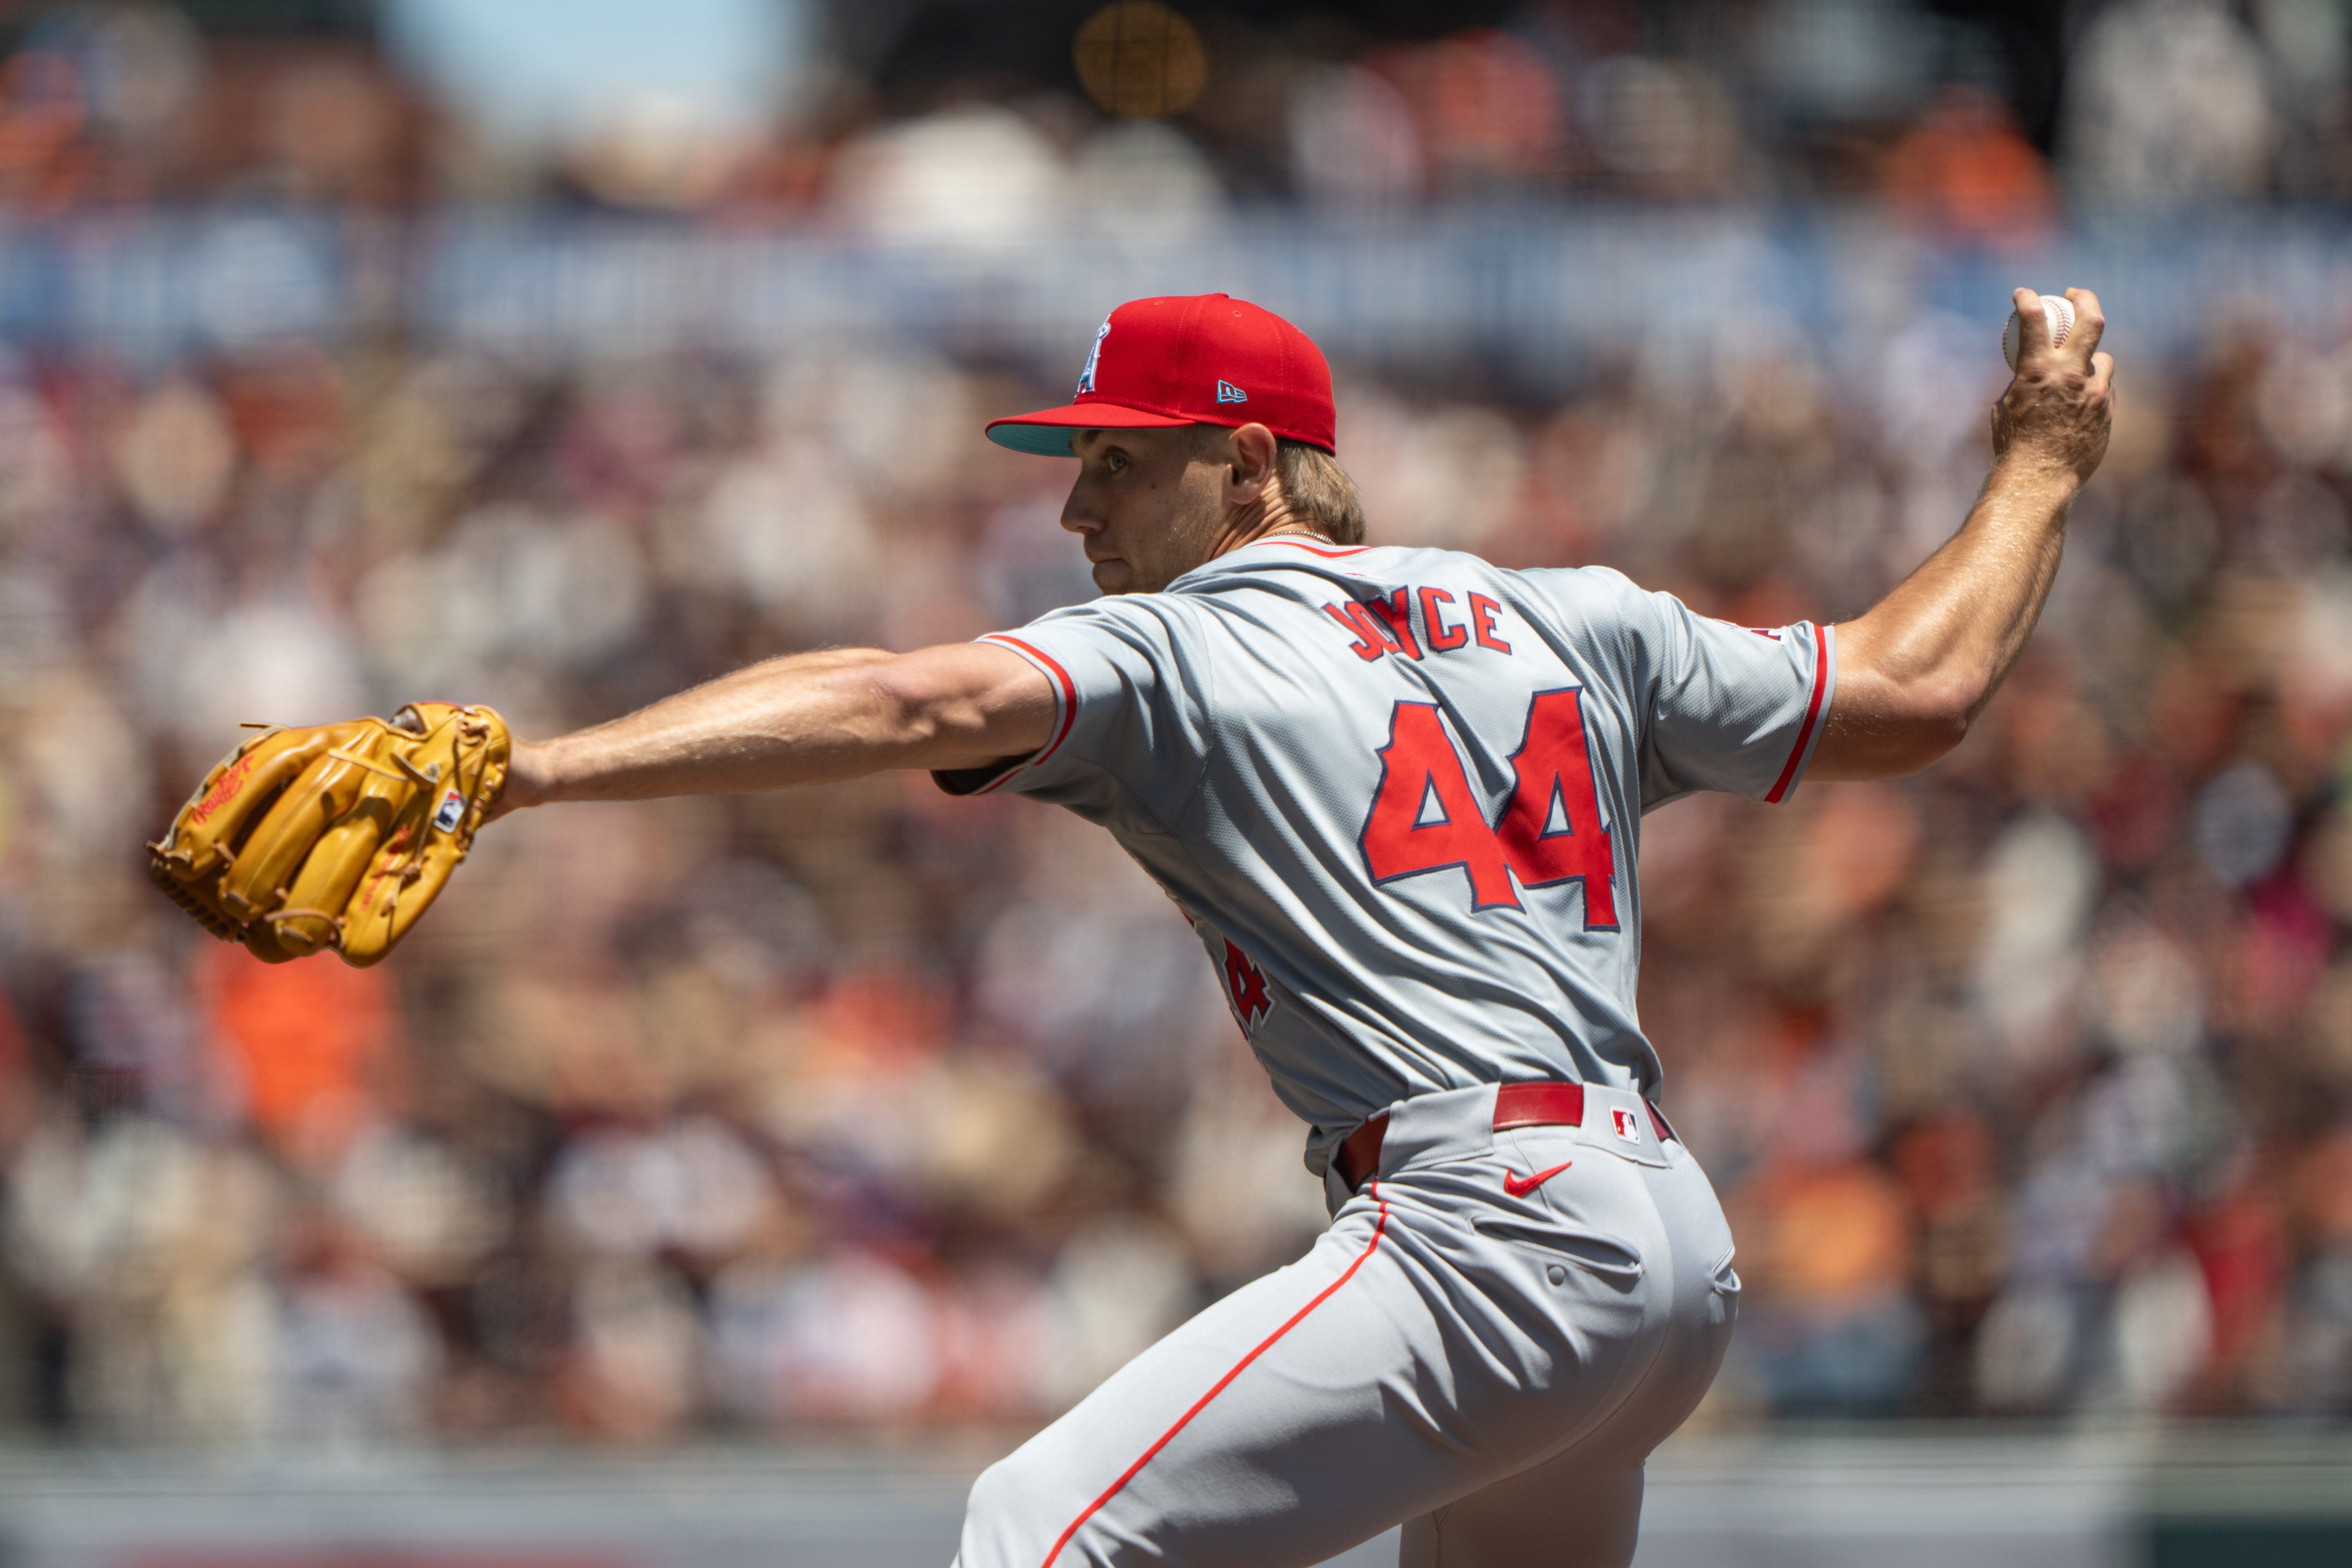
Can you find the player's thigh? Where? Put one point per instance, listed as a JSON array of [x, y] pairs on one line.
[[1226, 1440], [1578, 1510], [1265, 1432]]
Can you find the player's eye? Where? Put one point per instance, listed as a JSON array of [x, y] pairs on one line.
[[1115, 459]]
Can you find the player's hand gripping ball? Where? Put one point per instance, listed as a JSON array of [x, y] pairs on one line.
[[2057, 313], [338, 835]]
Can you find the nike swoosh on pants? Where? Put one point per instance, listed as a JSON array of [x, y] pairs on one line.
[[1520, 1186]]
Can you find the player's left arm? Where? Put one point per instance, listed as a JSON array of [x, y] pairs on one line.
[[1914, 673], [808, 719]]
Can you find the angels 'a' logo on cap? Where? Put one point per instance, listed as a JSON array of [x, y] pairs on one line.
[[1094, 354]]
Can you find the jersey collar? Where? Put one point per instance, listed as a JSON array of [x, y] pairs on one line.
[[1302, 549]]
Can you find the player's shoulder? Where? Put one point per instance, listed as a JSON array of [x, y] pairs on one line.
[[1124, 617], [1598, 583]]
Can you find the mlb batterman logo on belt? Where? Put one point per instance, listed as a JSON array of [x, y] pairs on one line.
[[1193, 359]]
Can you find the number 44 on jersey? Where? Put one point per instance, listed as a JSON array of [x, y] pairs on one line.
[[1550, 831]]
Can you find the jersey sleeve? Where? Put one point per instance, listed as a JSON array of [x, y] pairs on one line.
[[1127, 746], [1730, 708]]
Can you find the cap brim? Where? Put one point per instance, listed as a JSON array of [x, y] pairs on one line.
[[1047, 432]]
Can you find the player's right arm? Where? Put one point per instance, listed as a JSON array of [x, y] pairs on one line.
[[1916, 670], [808, 719]]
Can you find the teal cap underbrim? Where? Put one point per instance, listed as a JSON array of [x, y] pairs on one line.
[[1043, 440], [1047, 432]]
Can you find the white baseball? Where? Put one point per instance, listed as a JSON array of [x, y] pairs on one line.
[[2055, 312]]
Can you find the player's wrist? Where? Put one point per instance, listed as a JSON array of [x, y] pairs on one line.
[[2031, 471], [533, 778]]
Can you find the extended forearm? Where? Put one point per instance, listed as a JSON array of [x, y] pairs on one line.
[[805, 719], [1915, 670], [1948, 635]]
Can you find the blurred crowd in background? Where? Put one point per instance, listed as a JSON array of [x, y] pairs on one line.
[[2027, 1082]]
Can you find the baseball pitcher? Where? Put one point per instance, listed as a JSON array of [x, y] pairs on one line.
[[1399, 794]]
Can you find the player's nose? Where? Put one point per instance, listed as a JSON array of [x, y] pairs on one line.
[[1079, 515]]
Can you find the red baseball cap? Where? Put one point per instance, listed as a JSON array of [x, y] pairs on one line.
[[1188, 359]]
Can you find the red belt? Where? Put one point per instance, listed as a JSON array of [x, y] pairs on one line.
[[1539, 1104]]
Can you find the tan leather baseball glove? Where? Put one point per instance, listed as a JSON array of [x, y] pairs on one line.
[[338, 835]]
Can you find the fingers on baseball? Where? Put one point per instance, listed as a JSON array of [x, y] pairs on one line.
[[2089, 323], [2033, 328]]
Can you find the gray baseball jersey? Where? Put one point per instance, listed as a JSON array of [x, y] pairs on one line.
[[1398, 792]]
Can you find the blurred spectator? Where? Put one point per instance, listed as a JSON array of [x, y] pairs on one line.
[[978, 176], [1966, 172], [355, 1356], [1487, 106], [2167, 102], [1661, 128], [1353, 141], [300, 1042]]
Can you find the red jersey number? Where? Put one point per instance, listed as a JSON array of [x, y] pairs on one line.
[[1420, 768]]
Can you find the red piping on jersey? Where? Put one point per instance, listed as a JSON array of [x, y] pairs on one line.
[[1201, 1404], [1069, 695], [1812, 713], [1327, 555]]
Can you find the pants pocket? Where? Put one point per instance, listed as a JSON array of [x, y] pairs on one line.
[[1599, 1254]]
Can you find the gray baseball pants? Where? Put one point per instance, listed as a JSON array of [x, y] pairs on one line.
[[1487, 1365]]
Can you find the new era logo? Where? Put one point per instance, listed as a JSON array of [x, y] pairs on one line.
[[1228, 392], [1628, 1125]]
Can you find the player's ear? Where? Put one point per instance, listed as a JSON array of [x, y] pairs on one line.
[[1251, 463]]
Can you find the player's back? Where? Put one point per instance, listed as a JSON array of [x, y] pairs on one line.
[[1399, 792]]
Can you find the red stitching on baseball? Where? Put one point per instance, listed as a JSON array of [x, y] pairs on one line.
[[1201, 1404]]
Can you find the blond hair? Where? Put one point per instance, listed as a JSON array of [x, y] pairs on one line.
[[1315, 489], [1319, 491]]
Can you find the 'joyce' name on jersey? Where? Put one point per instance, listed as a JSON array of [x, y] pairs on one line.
[[1385, 625]]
